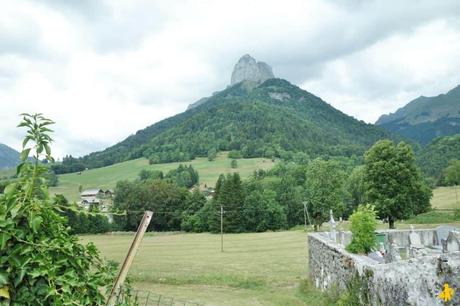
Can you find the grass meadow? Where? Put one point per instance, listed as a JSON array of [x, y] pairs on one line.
[[255, 268], [268, 268], [107, 177], [446, 198]]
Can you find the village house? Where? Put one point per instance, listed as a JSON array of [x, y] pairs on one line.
[[96, 196], [92, 196]]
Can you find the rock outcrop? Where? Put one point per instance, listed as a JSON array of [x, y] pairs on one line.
[[248, 69]]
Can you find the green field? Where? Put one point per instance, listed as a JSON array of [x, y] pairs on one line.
[[445, 198], [107, 177], [255, 269]]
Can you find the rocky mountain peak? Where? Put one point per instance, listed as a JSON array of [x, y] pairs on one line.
[[248, 69]]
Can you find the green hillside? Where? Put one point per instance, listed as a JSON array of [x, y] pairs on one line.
[[107, 177], [445, 198], [436, 156], [267, 120], [426, 118]]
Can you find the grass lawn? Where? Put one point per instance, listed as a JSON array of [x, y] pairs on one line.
[[107, 177], [445, 198], [255, 268]]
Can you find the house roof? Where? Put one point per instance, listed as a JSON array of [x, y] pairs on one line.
[[91, 192]]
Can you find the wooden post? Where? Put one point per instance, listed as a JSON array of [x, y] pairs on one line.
[[129, 257], [221, 228], [305, 213]]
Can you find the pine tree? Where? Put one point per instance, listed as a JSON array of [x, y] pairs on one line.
[[231, 197]]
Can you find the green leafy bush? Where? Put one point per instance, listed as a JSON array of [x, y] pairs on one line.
[[363, 224], [41, 263]]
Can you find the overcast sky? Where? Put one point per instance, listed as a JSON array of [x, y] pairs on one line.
[[105, 69]]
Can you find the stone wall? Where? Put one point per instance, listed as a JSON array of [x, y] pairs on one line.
[[416, 281]]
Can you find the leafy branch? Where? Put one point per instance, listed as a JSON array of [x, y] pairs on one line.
[[41, 263]]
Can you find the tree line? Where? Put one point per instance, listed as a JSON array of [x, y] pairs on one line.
[[272, 200]]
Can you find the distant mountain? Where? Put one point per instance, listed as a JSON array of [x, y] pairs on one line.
[[9, 157], [259, 116], [274, 118], [426, 118]]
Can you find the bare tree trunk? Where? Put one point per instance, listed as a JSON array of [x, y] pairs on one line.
[[391, 222]]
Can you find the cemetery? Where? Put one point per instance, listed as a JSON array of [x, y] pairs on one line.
[[407, 267]]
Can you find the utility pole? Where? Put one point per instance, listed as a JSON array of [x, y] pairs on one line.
[[221, 228]]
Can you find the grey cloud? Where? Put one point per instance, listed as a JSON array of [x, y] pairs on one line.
[[23, 40], [365, 23], [297, 56]]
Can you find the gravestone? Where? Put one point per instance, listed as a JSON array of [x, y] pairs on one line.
[[442, 232], [416, 248], [332, 234], [393, 253], [453, 242], [414, 239]]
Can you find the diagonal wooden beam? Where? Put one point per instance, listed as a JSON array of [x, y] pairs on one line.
[[129, 257]]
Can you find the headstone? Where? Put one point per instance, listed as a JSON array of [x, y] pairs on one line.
[[393, 253], [416, 248], [340, 232], [332, 223], [414, 239], [453, 242], [442, 232], [444, 245]]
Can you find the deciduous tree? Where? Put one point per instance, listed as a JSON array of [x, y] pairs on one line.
[[394, 183], [452, 175], [325, 190]]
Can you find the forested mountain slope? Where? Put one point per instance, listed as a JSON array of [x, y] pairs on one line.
[[269, 119], [436, 156]]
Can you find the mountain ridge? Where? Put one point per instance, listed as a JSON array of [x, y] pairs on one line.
[[274, 118], [426, 118]]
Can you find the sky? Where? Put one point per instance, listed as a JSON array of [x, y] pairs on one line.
[[104, 69]]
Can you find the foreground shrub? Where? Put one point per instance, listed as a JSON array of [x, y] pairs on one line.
[[41, 263], [363, 224]]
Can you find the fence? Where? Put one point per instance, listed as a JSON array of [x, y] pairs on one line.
[[148, 298]]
